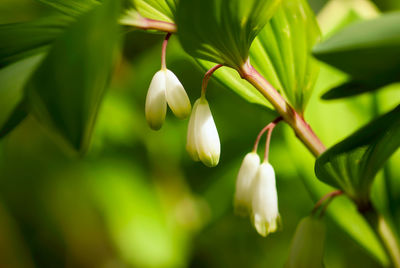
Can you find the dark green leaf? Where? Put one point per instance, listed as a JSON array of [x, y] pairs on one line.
[[222, 31], [12, 82], [368, 50], [71, 7], [16, 117], [351, 88], [21, 40], [67, 89], [352, 164]]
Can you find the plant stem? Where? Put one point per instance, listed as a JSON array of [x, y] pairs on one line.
[[385, 233], [301, 128], [207, 77], [164, 52], [276, 121]]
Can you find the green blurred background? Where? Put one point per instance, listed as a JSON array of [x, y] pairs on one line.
[[137, 200]]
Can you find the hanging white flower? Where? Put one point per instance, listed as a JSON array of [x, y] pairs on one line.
[[203, 141], [165, 88], [156, 103], [177, 98], [265, 212], [244, 183]]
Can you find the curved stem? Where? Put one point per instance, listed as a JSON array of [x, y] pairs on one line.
[[255, 147], [207, 77], [272, 125], [164, 51], [302, 129], [329, 197]]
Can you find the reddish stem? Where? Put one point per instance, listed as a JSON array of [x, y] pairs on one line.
[[296, 121], [276, 121], [269, 134], [164, 51], [207, 77], [329, 196]]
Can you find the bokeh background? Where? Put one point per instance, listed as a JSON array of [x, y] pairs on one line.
[[137, 200]]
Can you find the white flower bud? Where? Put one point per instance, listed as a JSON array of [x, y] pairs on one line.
[[177, 98], [203, 140], [244, 183], [307, 249], [156, 104], [206, 135], [266, 217], [191, 147]]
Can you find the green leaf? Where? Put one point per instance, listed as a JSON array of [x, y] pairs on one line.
[[13, 79], [163, 10], [282, 52], [21, 40], [67, 89], [352, 164], [351, 88], [369, 51], [71, 7], [222, 31]]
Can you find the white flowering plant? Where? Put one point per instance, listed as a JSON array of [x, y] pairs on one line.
[[271, 53]]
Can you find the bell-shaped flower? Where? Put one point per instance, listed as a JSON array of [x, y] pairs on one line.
[[165, 88], [307, 249], [177, 98], [266, 218], [202, 140], [244, 183]]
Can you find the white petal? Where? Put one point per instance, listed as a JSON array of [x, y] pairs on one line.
[[266, 217], [206, 135], [177, 98], [244, 182], [156, 104], [191, 147]]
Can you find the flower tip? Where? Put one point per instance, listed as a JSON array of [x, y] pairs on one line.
[[177, 98], [210, 160], [265, 227]]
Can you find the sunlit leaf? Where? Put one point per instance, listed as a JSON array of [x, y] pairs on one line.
[[369, 51], [21, 40], [66, 90], [352, 164], [282, 52], [222, 31], [12, 81], [163, 10]]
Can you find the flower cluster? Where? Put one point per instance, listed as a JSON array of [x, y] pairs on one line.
[[202, 138], [256, 194]]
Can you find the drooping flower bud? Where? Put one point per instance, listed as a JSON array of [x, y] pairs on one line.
[[266, 218], [307, 247], [203, 135], [191, 147], [244, 183], [177, 98], [165, 88], [156, 103]]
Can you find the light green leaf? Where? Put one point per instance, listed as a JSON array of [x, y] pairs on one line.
[[231, 79], [222, 31], [21, 40], [368, 50], [352, 164], [67, 89], [12, 81], [162, 10], [282, 52], [71, 7]]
